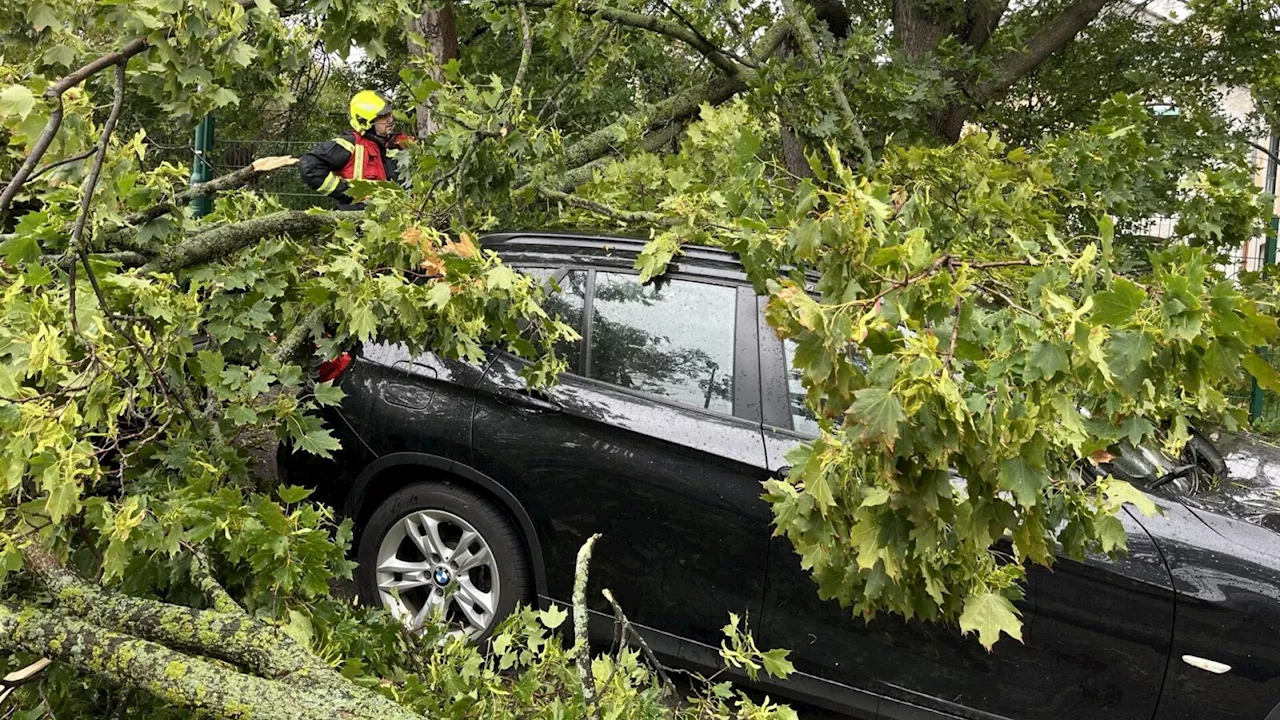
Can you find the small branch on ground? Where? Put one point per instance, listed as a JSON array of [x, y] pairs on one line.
[[668, 688]]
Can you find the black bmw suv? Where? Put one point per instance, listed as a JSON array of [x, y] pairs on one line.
[[472, 493]]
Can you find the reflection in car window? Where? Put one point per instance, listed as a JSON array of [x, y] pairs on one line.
[[672, 338], [565, 298], [802, 418]]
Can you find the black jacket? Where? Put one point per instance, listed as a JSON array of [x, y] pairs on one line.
[[330, 157]]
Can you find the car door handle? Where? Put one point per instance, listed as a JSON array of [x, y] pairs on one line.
[[530, 401]]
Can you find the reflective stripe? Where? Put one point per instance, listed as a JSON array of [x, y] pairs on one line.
[[345, 144], [358, 170], [329, 185]]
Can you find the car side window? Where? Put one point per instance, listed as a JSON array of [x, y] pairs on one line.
[[802, 418], [671, 338], [566, 298]]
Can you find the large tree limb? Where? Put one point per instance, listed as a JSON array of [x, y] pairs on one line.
[[239, 178], [642, 21], [169, 650], [653, 118], [226, 239], [181, 679], [1051, 38]]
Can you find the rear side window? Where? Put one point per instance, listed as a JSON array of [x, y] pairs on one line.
[[567, 298], [802, 418], [670, 338]]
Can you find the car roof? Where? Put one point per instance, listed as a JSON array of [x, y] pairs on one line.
[[555, 248]]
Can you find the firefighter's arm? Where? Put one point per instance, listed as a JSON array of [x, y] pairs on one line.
[[319, 168]]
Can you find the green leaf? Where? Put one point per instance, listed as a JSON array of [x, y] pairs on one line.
[[1262, 371], [990, 614], [553, 617], [20, 249], [1047, 359], [42, 16], [61, 55], [327, 394], [1023, 480], [1119, 492], [1111, 534], [877, 413], [241, 415], [1118, 305], [776, 663], [319, 442], [438, 296], [290, 494]]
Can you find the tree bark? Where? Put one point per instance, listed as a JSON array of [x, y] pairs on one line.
[[439, 31]]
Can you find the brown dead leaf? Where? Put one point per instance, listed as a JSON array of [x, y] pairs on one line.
[[1101, 456], [274, 163], [412, 235], [464, 247]]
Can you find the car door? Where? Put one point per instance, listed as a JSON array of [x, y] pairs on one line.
[[652, 439], [1096, 634]]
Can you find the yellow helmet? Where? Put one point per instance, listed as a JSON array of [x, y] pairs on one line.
[[367, 106]]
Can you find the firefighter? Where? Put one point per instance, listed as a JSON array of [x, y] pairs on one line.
[[368, 152]]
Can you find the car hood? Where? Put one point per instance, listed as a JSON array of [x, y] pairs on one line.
[[1244, 506]]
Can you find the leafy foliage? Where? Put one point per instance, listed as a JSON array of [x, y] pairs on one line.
[[956, 247]]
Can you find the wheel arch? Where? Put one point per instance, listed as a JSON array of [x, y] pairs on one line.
[[384, 476]]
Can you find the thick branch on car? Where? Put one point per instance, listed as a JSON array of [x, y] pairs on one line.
[[222, 241]]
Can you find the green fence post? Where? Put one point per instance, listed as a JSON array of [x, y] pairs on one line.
[[1268, 258], [201, 169]]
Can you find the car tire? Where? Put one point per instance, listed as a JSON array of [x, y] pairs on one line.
[[455, 510]]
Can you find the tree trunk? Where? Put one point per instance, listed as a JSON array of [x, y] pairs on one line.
[[440, 33]]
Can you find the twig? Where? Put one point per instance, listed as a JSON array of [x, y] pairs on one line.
[[59, 163], [955, 335], [668, 688], [581, 646], [37, 152], [1009, 301]]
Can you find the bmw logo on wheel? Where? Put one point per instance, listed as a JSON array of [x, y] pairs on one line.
[[442, 576]]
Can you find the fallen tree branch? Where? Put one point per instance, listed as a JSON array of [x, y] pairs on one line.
[[126, 258], [599, 208], [240, 178], [202, 576], [226, 239], [668, 688], [178, 653], [292, 343]]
